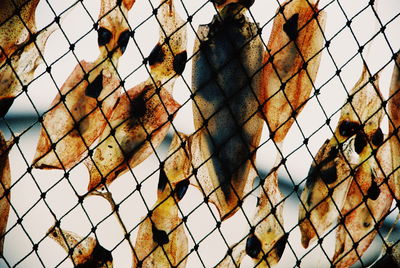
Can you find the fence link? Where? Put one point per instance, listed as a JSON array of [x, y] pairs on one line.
[[174, 133]]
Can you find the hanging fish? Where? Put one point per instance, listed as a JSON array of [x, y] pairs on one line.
[[329, 177], [367, 204], [22, 45], [139, 123], [84, 252], [113, 33], [143, 116], [177, 165], [168, 57], [20, 71], [292, 63], [5, 179], [265, 245], [221, 4], [80, 111], [227, 56], [161, 239], [394, 124], [17, 22]]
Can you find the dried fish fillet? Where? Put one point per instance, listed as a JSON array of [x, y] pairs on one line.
[[139, 123], [221, 4], [329, 177], [161, 239], [177, 166], [225, 104], [113, 32], [20, 70], [368, 202], [394, 124], [17, 21], [88, 96], [267, 243], [77, 117], [86, 252], [5, 179], [21, 50], [292, 63], [169, 55]]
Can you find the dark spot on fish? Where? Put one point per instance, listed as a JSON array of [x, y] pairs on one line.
[[117, 172], [162, 182], [359, 143], [247, 3], [290, 27], [280, 245], [253, 246], [311, 177], [5, 105], [138, 106], [123, 40], [348, 129], [156, 55], [103, 36], [99, 258], [309, 199], [258, 201], [180, 62], [377, 138], [373, 191], [181, 188], [159, 236], [331, 155], [94, 89], [329, 175], [218, 2]]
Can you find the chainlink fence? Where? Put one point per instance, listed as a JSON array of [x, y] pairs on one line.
[[181, 133]]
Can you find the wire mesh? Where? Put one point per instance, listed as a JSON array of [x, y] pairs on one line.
[[192, 134]]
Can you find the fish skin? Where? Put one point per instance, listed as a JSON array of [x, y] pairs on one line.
[[177, 166], [268, 222], [90, 119], [236, 154], [171, 44], [23, 64], [221, 4], [153, 251], [360, 215], [15, 32], [394, 123], [131, 132], [5, 179], [290, 49], [151, 113], [315, 196], [114, 18], [87, 252], [22, 45], [365, 107], [81, 105]]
